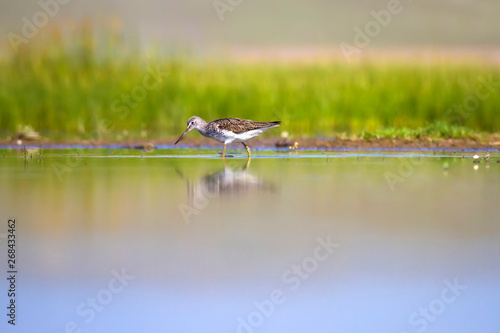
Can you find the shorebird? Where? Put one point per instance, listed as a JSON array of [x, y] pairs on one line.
[[229, 130]]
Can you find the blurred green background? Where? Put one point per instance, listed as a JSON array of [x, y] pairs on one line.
[[123, 70]]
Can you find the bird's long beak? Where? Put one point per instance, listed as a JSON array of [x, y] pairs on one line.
[[183, 134]]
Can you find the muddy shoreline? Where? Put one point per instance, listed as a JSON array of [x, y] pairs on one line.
[[491, 141]]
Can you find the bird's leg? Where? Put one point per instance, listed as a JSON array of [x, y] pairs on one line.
[[247, 148], [224, 152]]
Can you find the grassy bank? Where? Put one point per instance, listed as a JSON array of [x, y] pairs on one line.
[[67, 90]]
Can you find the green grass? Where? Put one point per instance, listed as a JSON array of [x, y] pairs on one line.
[[435, 130], [68, 90]]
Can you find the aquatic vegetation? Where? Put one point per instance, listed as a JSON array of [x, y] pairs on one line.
[[79, 87], [437, 129]]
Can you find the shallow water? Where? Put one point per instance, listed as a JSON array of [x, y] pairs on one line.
[[306, 241]]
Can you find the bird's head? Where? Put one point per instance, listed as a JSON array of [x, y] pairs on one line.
[[193, 123]]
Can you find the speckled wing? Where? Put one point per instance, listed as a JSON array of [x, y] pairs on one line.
[[237, 125]]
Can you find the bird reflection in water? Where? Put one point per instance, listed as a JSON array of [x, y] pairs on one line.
[[227, 183]]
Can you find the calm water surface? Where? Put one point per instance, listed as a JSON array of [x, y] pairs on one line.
[[177, 241]]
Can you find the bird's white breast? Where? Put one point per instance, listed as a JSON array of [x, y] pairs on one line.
[[228, 137], [245, 136]]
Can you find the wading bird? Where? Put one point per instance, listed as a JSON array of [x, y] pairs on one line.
[[229, 130]]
